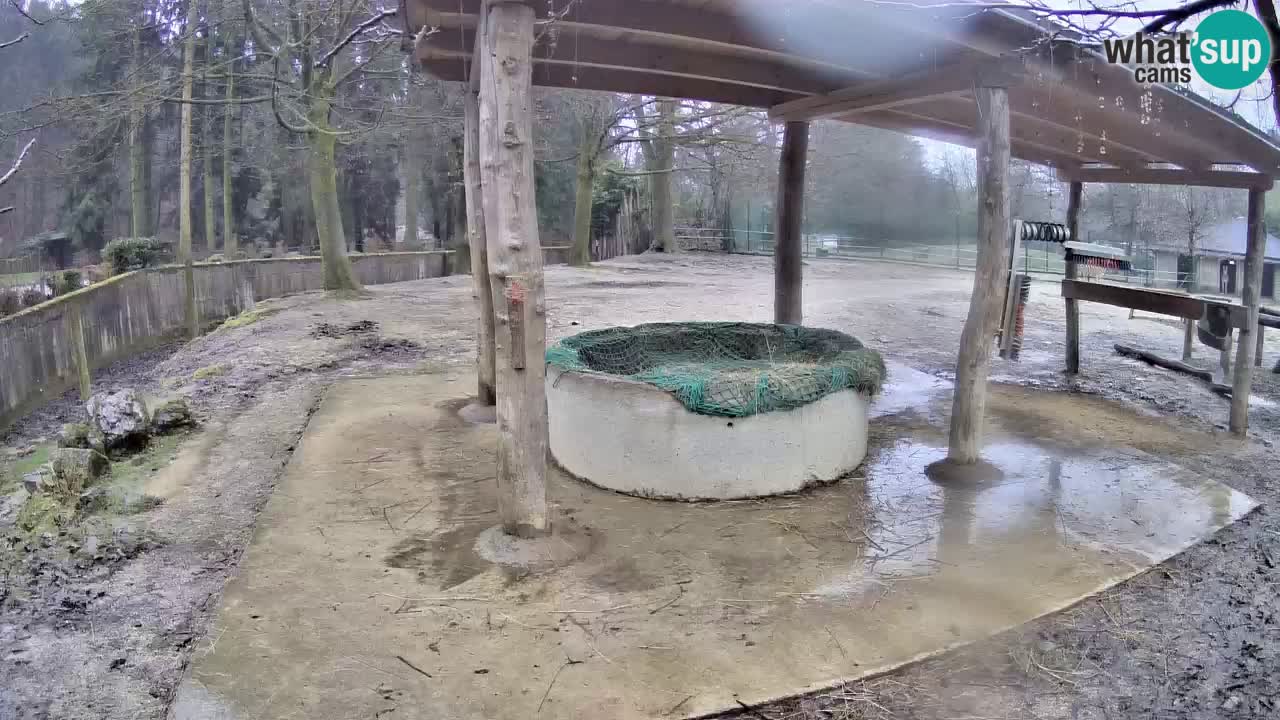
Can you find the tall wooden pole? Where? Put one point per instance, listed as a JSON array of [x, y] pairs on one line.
[[1073, 309], [788, 270], [480, 288], [989, 278], [1251, 296], [515, 265]]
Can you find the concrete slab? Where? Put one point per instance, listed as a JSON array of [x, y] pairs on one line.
[[363, 593]]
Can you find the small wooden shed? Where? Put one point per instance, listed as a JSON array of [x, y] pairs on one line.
[[999, 80]]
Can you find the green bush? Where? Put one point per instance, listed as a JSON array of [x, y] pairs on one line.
[[67, 281], [125, 254]]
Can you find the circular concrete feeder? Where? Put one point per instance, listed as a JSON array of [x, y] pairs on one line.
[[633, 436]]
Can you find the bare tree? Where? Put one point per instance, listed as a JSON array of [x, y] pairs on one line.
[[17, 163], [317, 46]]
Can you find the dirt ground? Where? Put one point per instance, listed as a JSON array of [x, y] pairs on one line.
[[1196, 638]]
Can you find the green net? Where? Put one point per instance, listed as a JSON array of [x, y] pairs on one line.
[[727, 369]]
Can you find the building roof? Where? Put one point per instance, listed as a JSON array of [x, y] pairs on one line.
[[1230, 238], [908, 67]]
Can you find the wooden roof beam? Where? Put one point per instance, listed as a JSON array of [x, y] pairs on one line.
[[449, 66], [1232, 141], [1168, 176], [639, 56], [1029, 131], [809, 36], [882, 94], [961, 135], [1053, 102]]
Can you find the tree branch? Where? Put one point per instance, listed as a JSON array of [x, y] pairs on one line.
[[24, 13], [324, 59], [1177, 15], [15, 41], [17, 163]]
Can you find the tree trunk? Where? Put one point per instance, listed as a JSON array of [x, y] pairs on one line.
[[230, 241], [184, 170], [1251, 297], [480, 287], [206, 150], [788, 269], [206, 142], [580, 254], [413, 162], [338, 273], [664, 234], [138, 216], [989, 281], [515, 266]]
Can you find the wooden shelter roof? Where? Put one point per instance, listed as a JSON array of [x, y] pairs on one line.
[[908, 67]]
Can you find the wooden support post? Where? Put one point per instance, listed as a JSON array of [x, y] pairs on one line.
[[75, 328], [788, 270], [480, 289], [1257, 353], [1188, 337], [1251, 296], [1224, 359], [1075, 195], [515, 265], [974, 358]]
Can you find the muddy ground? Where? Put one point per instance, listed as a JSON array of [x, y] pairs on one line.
[[109, 636]]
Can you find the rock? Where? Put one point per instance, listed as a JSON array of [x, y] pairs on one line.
[[74, 435], [171, 416], [120, 417], [75, 469], [11, 504], [34, 482]]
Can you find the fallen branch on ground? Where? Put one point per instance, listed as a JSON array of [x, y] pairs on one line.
[[1176, 366]]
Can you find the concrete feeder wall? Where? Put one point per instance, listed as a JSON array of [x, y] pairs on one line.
[[637, 439]]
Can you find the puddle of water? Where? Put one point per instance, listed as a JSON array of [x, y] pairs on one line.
[[907, 388]]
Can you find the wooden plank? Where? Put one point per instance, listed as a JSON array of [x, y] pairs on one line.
[[1136, 298], [974, 358], [515, 266], [1074, 197], [788, 270], [1169, 176], [1251, 295]]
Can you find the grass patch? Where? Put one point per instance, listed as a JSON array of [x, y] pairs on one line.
[[123, 492], [16, 279], [211, 371], [248, 317], [12, 475]]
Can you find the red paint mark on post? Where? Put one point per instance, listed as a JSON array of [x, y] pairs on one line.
[[516, 295]]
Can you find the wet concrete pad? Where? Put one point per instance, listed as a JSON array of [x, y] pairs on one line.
[[363, 594]]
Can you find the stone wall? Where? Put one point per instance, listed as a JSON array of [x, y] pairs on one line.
[[133, 312]]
